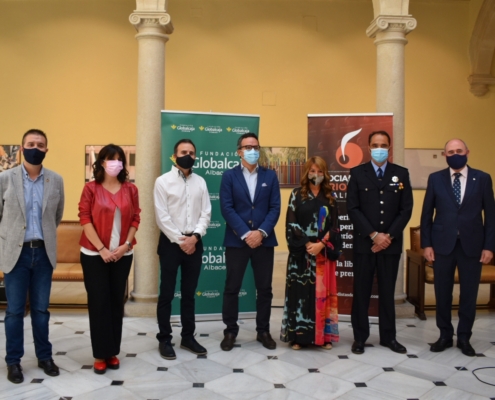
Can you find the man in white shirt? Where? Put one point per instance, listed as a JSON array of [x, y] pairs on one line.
[[183, 212]]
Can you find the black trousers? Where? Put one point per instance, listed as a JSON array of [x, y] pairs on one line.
[[469, 278], [105, 284], [171, 257], [237, 259], [386, 267]]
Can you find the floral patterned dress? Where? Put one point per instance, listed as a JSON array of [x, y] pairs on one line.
[[311, 304]]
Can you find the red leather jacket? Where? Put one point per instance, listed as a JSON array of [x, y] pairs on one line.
[[97, 206]]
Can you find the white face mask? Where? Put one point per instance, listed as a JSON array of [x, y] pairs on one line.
[[315, 179]]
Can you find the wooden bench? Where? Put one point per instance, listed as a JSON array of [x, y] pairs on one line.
[[68, 267], [419, 272]]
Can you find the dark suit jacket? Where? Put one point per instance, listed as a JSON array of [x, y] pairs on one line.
[[476, 233], [243, 215], [382, 206]]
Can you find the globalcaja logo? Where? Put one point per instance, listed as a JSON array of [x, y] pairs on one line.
[[242, 293], [240, 130], [184, 128], [214, 196], [209, 294], [349, 155], [178, 294], [213, 129], [214, 224]]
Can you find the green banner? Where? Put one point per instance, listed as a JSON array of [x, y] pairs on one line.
[[215, 137]]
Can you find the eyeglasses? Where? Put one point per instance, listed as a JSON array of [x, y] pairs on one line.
[[248, 147]]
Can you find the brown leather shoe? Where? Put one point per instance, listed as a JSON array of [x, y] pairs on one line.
[[228, 342], [266, 340]]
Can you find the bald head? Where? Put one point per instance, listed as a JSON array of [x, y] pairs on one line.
[[455, 146]]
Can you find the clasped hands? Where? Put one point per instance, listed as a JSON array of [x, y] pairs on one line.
[[254, 239], [381, 242], [188, 244], [114, 255], [314, 248], [429, 254]]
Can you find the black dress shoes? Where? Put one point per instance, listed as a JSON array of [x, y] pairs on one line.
[[193, 346], [441, 345], [228, 342], [49, 367], [466, 348], [357, 347], [266, 340], [167, 351], [15, 373], [395, 346]]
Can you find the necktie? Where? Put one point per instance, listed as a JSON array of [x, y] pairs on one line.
[[457, 187], [379, 173]]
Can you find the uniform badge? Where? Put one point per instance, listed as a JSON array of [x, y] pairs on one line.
[[395, 179]]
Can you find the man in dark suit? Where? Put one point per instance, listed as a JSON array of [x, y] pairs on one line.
[[250, 204], [458, 236], [379, 203]]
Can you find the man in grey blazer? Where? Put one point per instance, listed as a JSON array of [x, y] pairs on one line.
[[31, 207]]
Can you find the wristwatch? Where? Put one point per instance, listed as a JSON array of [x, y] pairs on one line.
[[197, 235], [129, 245], [262, 233]]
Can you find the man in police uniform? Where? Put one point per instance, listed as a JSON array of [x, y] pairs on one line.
[[379, 203]]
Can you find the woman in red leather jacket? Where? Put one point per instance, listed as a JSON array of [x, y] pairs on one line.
[[109, 213]]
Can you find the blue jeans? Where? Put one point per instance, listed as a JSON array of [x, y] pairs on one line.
[[32, 274]]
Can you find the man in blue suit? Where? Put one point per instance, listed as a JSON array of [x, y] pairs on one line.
[[458, 236], [250, 204]]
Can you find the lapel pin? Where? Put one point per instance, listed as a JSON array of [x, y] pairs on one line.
[[395, 179], [474, 179]]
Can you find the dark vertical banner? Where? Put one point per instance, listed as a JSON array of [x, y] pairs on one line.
[[342, 141], [215, 137]]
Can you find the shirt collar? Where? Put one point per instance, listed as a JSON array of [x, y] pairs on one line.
[[463, 172], [26, 175], [180, 173], [376, 166], [254, 170]]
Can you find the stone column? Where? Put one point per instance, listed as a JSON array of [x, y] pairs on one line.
[[389, 32], [153, 24]]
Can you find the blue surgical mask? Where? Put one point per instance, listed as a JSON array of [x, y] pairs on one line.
[[379, 155], [251, 156]]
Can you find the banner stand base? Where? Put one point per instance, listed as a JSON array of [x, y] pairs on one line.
[[216, 317]]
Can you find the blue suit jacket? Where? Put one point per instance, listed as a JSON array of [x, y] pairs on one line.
[[243, 215], [476, 233]]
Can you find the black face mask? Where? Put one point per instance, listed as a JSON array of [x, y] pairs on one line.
[[34, 156], [185, 162]]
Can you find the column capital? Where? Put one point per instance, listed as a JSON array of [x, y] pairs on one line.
[[396, 23], [479, 83], [152, 19]]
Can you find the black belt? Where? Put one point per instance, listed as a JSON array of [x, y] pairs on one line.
[[34, 244]]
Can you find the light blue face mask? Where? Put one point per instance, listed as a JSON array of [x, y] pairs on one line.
[[251, 156], [379, 155]]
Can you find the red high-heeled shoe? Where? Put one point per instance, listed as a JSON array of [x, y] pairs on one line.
[[113, 362], [100, 367]]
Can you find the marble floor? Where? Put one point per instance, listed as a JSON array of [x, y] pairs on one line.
[[250, 371]]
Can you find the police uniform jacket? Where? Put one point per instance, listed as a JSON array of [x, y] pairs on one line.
[[379, 205]]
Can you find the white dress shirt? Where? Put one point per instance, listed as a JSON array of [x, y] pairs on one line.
[[182, 204], [462, 179]]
